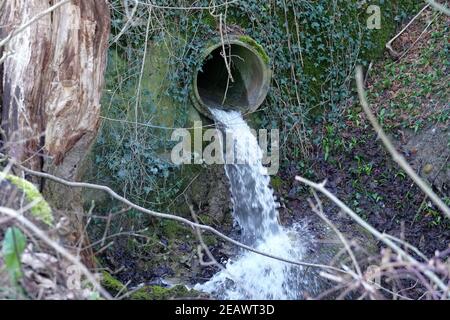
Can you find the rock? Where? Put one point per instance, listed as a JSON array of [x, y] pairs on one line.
[[431, 153], [212, 190], [428, 168]]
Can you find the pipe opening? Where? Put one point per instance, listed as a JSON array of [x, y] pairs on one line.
[[214, 88]]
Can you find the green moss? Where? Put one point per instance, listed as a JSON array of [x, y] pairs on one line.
[[209, 20], [111, 284], [314, 72], [172, 228], [256, 46], [374, 41], [206, 219], [41, 210], [209, 240], [276, 183], [160, 293], [141, 294]]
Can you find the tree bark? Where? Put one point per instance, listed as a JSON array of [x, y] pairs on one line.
[[51, 87]]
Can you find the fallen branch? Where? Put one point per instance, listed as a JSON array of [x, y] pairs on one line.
[[439, 7], [380, 236], [191, 224], [389, 44]]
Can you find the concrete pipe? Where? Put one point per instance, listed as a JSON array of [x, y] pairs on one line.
[[212, 86]]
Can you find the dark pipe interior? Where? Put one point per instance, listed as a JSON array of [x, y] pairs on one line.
[[212, 79]]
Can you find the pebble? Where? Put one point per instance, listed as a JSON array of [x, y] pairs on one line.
[[428, 168]]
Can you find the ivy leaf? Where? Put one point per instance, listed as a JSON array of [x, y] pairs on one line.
[[13, 247]]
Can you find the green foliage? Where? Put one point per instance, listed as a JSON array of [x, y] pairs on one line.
[[435, 217], [276, 183], [114, 286], [312, 48], [41, 210], [133, 163], [13, 247], [172, 229]]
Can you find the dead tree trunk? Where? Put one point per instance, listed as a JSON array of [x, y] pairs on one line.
[[50, 88]]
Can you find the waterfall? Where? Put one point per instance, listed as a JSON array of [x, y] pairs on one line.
[[250, 275]]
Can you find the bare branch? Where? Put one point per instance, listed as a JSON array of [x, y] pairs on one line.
[[317, 208], [169, 216], [389, 43], [380, 236], [439, 7]]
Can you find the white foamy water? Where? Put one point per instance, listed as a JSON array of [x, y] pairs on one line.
[[250, 275]]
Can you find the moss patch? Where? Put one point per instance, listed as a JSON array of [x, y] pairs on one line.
[[210, 240], [256, 46], [276, 183], [160, 293], [114, 286], [172, 229], [111, 284], [41, 210]]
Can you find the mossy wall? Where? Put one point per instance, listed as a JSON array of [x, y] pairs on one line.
[[312, 48]]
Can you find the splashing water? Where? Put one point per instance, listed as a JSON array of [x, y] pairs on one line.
[[250, 275]]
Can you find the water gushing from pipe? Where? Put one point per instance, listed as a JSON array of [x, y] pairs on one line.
[[249, 275]]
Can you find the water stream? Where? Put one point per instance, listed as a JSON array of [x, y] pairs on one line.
[[249, 275]]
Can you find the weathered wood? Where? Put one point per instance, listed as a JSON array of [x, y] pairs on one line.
[[50, 89], [22, 110], [52, 83]]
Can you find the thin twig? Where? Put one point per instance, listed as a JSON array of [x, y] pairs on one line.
[[150, 4], [419, 37], [141, 75], [318, 209], [213, 260], [130, 17], [389, 44]]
